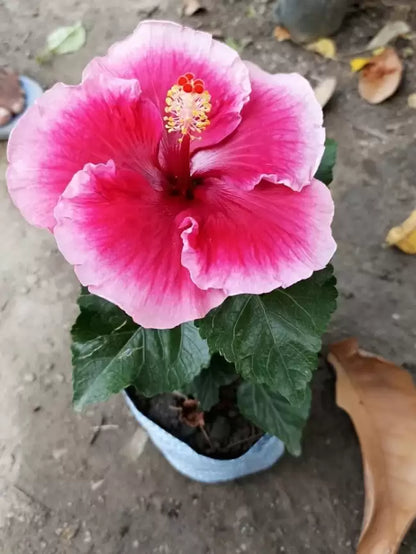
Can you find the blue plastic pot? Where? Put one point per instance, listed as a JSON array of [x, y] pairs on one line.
[[32, 91], [262, 455]]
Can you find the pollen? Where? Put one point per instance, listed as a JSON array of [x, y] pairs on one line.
[[188, 104]]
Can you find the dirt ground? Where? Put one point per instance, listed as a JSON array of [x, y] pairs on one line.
[[65, 489]]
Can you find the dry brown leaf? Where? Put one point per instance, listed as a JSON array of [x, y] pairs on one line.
[[380, 398], [390, 31], [325, 90], [357, 64], [381, 77], [191, 7], [404, 236], [324, 47], [281, 34]]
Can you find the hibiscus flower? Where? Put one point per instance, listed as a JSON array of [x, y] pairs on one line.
[[176, 175]]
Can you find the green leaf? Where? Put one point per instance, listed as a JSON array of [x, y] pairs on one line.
[[64, 40], [271, 412], [205, 386], [111, 352], [274, 339], [325, 171]]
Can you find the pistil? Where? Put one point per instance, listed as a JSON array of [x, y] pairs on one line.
[[187, 108]]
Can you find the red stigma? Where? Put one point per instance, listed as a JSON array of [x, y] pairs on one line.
[[190, 84], [182, 80]]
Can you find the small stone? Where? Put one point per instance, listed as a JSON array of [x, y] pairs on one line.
[[87, 536], [241, 513], [134, 448], [59, 453], [247, 530], [396, 317], [70, 531], [95, 485], [135, 544], [59, 378], [32, 279], [29, 377]]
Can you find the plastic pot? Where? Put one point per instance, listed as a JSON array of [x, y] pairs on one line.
[[263, 454], [32, 91], [308, 20]]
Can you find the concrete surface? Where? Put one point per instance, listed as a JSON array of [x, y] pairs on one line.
[[63, 492]]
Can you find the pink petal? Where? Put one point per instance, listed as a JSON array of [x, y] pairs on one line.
[[256, 241], [280, 137], [122, 238], [70, 126], [159, 52]]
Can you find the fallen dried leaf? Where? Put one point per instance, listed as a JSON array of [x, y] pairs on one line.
[[325, 90], [192, 7], [404, 236], [324, 47], [281, 33], [380, 77], [411, 100], [357, 64], [63, 40], [380, 398], [389, 32]]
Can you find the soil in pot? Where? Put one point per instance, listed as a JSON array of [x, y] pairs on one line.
[[221, 433]]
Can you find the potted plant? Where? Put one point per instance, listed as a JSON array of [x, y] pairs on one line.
[[188, 190]]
